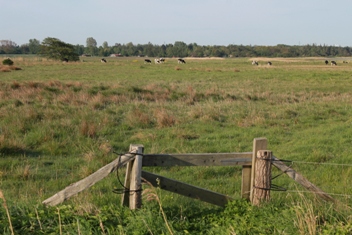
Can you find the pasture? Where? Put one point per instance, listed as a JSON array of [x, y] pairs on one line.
[[60, 122]]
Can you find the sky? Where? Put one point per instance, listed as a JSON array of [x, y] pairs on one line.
[[204, 22]]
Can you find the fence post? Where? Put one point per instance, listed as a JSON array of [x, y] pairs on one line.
[[258, 144], [133, 181], [246, 182], [262, 180]]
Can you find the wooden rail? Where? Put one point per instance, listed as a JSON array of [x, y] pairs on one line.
[[89, 181], [187, 190], [198, 159], [255, 186]]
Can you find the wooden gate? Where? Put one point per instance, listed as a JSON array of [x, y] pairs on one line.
[[255, 186]]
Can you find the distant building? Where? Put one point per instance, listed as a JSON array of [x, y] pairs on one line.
[[116, 55]]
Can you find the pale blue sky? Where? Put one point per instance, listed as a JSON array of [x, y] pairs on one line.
[[205, 22]]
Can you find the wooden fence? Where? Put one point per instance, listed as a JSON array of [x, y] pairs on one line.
[[255, 186]]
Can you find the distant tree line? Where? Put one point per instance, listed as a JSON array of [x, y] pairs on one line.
[[181, 49]]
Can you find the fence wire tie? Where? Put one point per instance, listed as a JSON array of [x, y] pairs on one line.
[[281, 160], [273, 187], [285, 171], [266, 189], [124, 189], [274, 160], [121, 154]]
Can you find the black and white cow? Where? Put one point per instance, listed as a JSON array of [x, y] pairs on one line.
[[269, 63], [181, 61], [157, 61], [326, 62], [254, 62], [162, 60], [65, 60], [103, 60], [333, 62], [147, 61]]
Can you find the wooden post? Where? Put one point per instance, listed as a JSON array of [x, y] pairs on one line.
[[258, 144], [262, 180], [125, 200], [246, 182], [133, 180]]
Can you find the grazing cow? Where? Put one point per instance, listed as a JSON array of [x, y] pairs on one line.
[[162, 60], [103, 60], [147, 61], [65, 60], [326, 62], [345, 62], [157, 61], [333, 62], [254, 62], [269, 63], [181, 61]]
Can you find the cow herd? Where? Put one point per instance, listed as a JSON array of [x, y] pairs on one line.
[[162, 60], [156, 61], [255, 62], [182, 61], [146, 61], [333, 63]]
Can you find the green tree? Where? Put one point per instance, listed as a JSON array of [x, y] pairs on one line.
[[9, 47], [56, 49], [148, 49], [34, 46], [91, 45], [24, 48], [180, 49], [79, 49]]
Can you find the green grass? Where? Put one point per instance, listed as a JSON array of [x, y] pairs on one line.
[[60, 122]]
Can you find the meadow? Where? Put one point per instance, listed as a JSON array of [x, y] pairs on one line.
[[60, 122]]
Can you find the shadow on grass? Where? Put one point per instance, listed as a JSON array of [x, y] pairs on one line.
[[16, 151]]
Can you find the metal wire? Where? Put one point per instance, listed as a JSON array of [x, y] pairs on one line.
[[123, 189]]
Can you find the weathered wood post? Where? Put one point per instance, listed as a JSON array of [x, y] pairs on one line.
[[258, 144], [133, 180], [246, 181], [262, 180]]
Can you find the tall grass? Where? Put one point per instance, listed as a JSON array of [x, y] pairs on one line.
[[7, 211], [61, 122]]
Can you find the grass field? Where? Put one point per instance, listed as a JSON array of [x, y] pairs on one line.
[[60, 122]]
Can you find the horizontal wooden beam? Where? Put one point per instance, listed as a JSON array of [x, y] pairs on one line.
[[198, 159], [186, 189]]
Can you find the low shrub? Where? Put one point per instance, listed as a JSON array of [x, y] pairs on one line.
[[7, 61]]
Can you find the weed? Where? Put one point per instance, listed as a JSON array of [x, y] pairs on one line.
[[7, 211]]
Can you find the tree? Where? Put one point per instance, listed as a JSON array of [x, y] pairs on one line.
[[56, 49], [104, 50], [91, 45], [24, 48], [9, 47], [34, 46], [179, 49], [79, 49]]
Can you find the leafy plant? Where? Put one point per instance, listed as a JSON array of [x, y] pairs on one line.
[[7, 61]]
